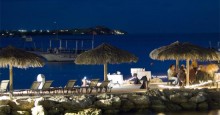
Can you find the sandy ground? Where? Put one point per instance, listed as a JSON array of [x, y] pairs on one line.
[[125, 88]]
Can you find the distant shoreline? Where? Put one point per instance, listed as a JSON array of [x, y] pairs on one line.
[[98, 30]]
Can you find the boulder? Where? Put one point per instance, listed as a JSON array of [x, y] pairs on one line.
[[116, 102], [167, 93], [215, 96], [214, 105], [4, 101], [59, 99], [38, 110], [20, 113], [200, 97], [158, 108], [126, 105], [156, 102], [124, 96], [177, 98], [154, 92], [82, 101], [140, 101], [186, 94], [89, 111], [111, 112], [47, 104], [203, 106], [188, 106], [13, 105], [102, 96], [25, 105], [172, 107], [157, 105], [145, 111], [4, 113], [163, 98], [5, 109], [55, 111], [104, 104], [67, 105], [56, 105]]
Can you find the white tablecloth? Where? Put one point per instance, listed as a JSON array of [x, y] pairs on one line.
[[115, 78]]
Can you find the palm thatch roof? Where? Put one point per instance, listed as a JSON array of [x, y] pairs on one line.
[[19, 58], [183, 51], [105, 53], [13, 57]]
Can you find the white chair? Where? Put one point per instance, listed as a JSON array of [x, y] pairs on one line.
[[4, 86]]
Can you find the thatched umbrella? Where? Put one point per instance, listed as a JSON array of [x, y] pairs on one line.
[[105, 54], [14, 57], [184, 51]]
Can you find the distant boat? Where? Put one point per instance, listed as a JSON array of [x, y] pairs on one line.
[[58, 55], [27, 38], [63, 54], [217, 48]]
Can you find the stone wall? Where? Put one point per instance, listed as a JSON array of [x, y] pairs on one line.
[[153, 100]]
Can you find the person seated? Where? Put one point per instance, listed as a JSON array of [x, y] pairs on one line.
[[172, 74], [201, 76], [183, 67], [135, 79], [182, 76], [192, 75]]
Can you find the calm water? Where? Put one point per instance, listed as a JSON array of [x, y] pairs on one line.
[[140, 45]]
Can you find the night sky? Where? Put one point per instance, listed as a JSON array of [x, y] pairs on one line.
[[133, 16]]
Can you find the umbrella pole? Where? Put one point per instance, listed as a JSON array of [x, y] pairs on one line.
[[177, 65], [11, 78], [105, 72], [187, 72]]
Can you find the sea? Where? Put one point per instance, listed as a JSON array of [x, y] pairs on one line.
[[139, 44]]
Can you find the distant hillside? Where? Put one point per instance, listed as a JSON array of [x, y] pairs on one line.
[[98, 30]]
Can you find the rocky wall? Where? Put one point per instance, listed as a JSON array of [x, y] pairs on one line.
[[152, 100]]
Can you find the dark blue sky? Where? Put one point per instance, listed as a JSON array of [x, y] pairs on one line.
[[133, 16]]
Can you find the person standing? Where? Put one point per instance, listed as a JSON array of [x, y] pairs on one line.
[[84, 82], [145, 84]]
